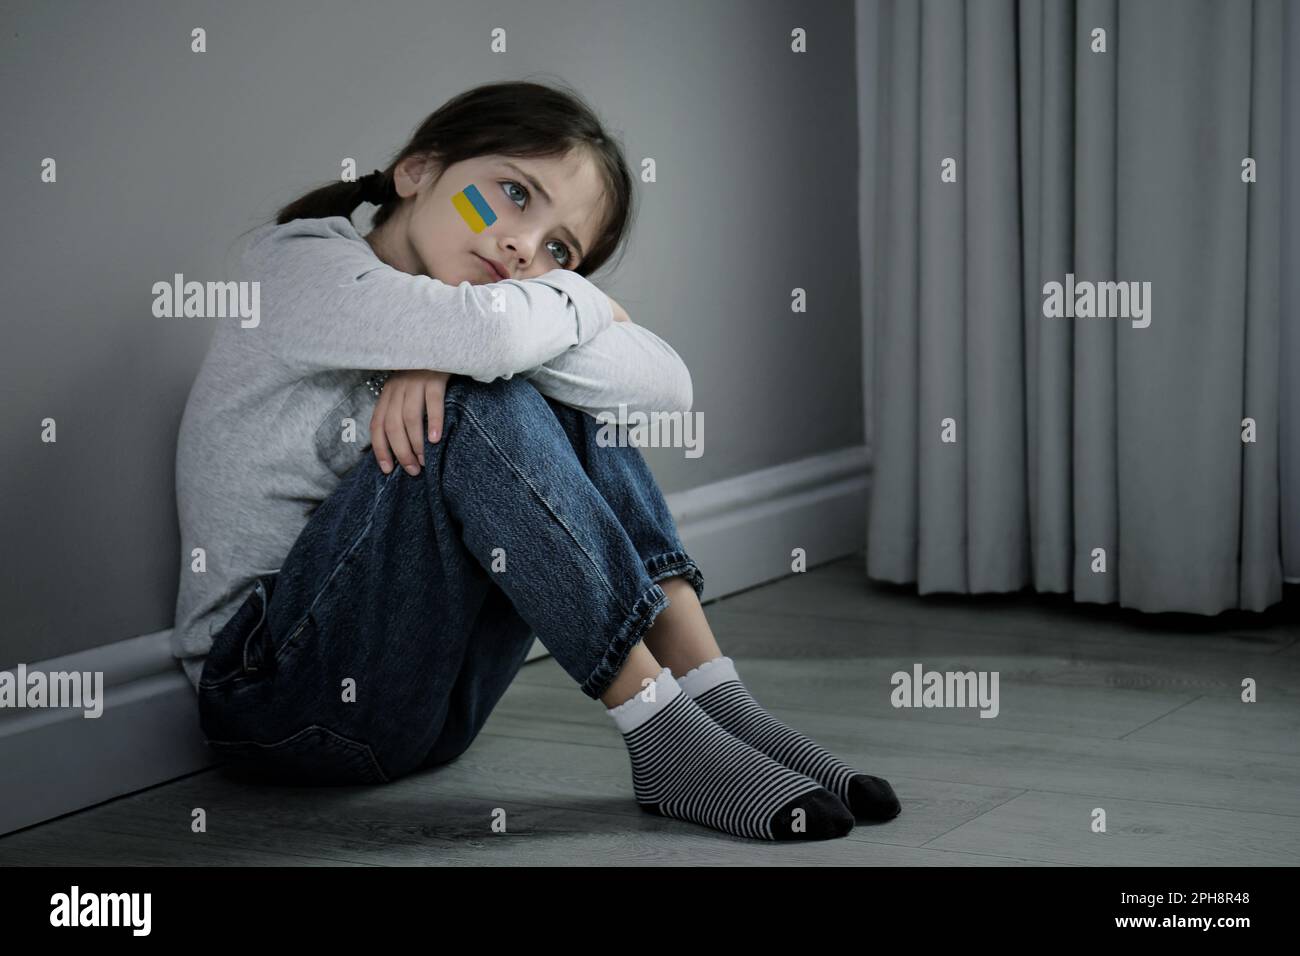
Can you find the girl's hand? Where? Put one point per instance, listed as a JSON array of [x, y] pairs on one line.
[[620, 313], [397, 426]]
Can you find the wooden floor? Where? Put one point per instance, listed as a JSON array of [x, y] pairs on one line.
[[1137, 714]]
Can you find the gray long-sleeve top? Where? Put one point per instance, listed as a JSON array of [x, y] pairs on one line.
[[260, 440]]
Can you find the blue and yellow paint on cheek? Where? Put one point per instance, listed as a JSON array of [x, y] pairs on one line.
[[473, 208]]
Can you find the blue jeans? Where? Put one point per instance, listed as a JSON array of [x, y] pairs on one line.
[[408, 603]]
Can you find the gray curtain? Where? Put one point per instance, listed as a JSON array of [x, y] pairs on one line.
[[1290, 352], [1074, 434]]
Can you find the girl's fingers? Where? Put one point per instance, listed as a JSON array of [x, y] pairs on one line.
[[378, 440], [397, 427], [395, 430], [435, 396], [396, 433], [413, 421]]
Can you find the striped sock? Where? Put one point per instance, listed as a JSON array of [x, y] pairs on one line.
[[687, 767], [717, 688]]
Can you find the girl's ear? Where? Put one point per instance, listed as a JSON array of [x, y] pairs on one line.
[[416, 172]]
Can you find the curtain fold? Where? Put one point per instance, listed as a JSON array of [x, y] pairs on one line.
[[1289, 350], [1078, 441]]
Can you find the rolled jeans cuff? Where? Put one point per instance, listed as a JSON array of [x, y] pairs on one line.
[[644, 611], [674, 564]]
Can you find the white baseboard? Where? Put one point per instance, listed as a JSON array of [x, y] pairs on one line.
[[740, 531]]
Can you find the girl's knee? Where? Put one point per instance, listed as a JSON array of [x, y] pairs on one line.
[[503, 394]]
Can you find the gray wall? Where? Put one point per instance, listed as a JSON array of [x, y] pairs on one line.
[[165, 156]]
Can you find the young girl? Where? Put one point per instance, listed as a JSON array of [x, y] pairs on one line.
[[345, 620]]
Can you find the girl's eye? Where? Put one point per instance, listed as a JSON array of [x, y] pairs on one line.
[[567, 256], [523, 191]]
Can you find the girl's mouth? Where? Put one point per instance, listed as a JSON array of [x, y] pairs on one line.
[[496, 276]]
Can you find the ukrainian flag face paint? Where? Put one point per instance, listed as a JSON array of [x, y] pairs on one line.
[[473, 208]]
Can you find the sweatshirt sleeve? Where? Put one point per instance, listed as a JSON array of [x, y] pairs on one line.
[[626, 363], [360, 314]]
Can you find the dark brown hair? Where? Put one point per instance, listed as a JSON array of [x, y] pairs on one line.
[[518, 119]]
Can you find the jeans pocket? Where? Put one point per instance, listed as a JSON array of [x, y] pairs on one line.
[[314, 755], [237, 651]]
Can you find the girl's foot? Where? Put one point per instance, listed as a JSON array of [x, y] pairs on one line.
[[687, 767], [717, 688]]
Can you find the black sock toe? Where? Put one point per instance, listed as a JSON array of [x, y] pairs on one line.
[[824, 818], [871, 798]]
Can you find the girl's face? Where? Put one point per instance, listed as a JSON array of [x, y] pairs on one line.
[[528, 215]]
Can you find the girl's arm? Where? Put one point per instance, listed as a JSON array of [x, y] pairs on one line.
[[329, 307], [625, 363]]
